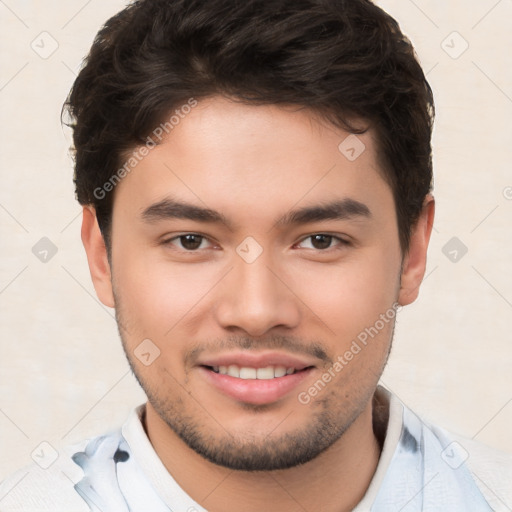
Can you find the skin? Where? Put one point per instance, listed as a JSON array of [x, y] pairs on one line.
[[254, 164]]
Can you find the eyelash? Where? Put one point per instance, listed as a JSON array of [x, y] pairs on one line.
[[341, 242]]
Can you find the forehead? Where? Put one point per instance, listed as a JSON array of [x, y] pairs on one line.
[[254, 162]]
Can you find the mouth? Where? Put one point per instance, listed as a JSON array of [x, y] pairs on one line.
[[257, 384], [247, 372]]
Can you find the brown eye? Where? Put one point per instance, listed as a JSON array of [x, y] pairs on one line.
[[191, 242], [321, 241], [188, 242]]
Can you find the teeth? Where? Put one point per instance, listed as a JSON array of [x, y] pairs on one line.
[[265, 373], [233, 370], [247, 373], [279, 371], [244, 372]]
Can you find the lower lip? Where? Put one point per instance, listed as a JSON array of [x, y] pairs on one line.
[[255, 391]]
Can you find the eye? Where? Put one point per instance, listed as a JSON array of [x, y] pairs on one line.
[[189, 241], [321, 241]]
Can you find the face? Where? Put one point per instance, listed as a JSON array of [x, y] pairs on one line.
[[254, 255]]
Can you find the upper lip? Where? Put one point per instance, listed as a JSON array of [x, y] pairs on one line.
[[257, 360]]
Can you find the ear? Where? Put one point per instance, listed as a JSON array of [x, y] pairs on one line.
[[97, 257], [415, 261]]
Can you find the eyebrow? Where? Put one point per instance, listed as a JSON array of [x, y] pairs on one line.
[[342, 209], [172, 209]]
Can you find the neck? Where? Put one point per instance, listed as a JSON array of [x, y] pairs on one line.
[[335, 481]]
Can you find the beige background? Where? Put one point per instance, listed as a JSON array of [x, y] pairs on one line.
[[63, 375]]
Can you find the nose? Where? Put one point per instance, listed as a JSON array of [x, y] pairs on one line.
[[256, 298]]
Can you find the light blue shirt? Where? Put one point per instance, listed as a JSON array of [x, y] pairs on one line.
[[427, 472], [421, 468]]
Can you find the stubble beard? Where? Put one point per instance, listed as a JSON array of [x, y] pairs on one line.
[[198, 428]]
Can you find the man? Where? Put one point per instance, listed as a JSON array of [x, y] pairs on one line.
[[256, 182]]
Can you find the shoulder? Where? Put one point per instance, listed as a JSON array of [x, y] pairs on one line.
[[491, 470], [43, 488], [462, 469], [63, 480], [100, 474]]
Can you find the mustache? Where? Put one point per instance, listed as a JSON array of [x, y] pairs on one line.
[[289, 344]]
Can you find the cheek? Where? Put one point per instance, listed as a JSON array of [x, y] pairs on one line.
[[352, 294], [157, 295]]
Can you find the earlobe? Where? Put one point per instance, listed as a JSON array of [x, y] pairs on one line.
[[96, 251], [415, 261]]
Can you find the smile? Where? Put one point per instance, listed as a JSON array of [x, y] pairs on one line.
[[245, 372], [257, 386]]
